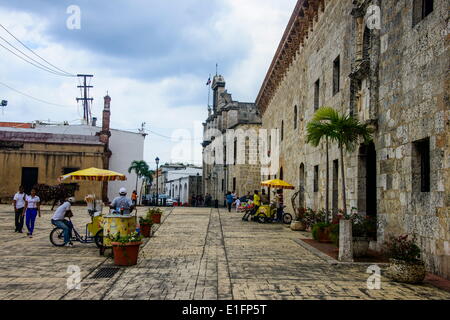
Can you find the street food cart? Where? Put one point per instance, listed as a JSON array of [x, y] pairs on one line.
[[113, 222]]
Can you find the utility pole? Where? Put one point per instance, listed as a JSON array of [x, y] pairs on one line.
[[85, 99]]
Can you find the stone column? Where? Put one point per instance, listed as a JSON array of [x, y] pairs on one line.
[[345, 241]]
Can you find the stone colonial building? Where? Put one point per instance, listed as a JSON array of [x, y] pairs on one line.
[[230, 158], [386, 63]]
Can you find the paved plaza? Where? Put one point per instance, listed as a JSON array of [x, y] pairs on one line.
[[196, 253]]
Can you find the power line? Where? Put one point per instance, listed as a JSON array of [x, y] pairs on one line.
[[34, 98], [44, 66], [37, 66], [23, 44]]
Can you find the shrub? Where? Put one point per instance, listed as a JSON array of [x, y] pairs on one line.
[[319, 226], [400, 248]]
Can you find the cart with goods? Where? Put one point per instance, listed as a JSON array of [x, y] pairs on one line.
[[268, 213], [102, 227]]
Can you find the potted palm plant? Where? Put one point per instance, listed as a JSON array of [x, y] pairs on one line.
[[126, 249], [146, 224], [406, 264]]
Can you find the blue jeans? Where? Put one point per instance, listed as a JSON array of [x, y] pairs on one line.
[[67, 228], [30, 218]]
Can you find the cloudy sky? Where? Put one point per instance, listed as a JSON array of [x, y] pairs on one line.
[[153, 57]]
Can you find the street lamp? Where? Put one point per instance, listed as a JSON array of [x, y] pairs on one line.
[[157, 181], [198, 195]]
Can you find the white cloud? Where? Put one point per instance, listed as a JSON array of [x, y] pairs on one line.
[[170, 103]]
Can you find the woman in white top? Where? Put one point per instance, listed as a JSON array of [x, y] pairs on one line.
[[32, 209], [19, 205]]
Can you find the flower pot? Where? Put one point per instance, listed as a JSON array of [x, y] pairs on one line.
[[406, 272], [298, 226], [156, 218], [146, 230], [323, 235], [126, 254], [360, 246]]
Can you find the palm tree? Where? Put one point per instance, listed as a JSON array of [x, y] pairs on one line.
[[139, 167], [317, 130], [347, 131], [147, 175]]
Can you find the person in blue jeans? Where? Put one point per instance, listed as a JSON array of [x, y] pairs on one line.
[[31, 211], [59, 221]]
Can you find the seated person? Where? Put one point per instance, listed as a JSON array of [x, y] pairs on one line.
[[122, 204]]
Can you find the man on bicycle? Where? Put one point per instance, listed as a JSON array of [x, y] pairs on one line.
[[59, 221]]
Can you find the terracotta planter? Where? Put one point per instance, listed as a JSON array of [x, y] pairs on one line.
[[156, 218], [360, 246], [324, 235], [126, 254], [146, 230], [406, 272], [298, 226]]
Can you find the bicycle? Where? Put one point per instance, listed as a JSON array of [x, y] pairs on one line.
[[57, 237]]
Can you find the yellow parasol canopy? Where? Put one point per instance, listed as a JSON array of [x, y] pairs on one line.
[[93, 174], [278, 184]]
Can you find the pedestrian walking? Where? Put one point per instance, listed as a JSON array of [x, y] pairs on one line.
[[230, 200], [19, 206], [280, 205], [237, 203], [32, 210]]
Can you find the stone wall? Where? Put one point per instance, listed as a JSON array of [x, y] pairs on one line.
[[395, 78]]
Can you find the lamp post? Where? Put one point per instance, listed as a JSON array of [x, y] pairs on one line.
[[197, 196], [157, 181]]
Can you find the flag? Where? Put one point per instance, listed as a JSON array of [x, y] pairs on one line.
[[209, 81]]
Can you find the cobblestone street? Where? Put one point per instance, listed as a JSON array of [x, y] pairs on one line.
[[197, 253]]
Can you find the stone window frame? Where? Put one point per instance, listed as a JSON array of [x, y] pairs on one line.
[[295, 117], [337, 75], [316, 179], [420, 10], [317, 94], [421, 165]]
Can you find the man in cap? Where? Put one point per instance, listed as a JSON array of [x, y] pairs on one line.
[[58, 220], [122, 204]]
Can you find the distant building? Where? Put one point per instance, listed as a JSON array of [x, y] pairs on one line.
[[179, 182], [39, 153], [230, 164]]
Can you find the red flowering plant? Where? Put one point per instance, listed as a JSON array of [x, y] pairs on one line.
[[400, 248]]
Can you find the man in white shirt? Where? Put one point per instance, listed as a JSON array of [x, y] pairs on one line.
[[19, 206], [59, 221]]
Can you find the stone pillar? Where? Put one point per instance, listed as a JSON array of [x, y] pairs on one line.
[[345, 241]]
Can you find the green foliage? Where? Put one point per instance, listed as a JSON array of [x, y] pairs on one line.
[[311, 217], [346, 130], [134, 237], [154, 211], [334, 234], [400, 248], [145, 220], [321, 226]]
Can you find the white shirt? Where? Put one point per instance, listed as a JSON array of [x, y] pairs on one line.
[[61, 211], [32, 202], [20, 200]]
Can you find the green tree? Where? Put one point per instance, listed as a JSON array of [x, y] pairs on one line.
[[139, 168], [317, 130], [347, 132]]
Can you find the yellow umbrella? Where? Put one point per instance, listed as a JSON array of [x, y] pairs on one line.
[[278, 184], [93, 174]]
